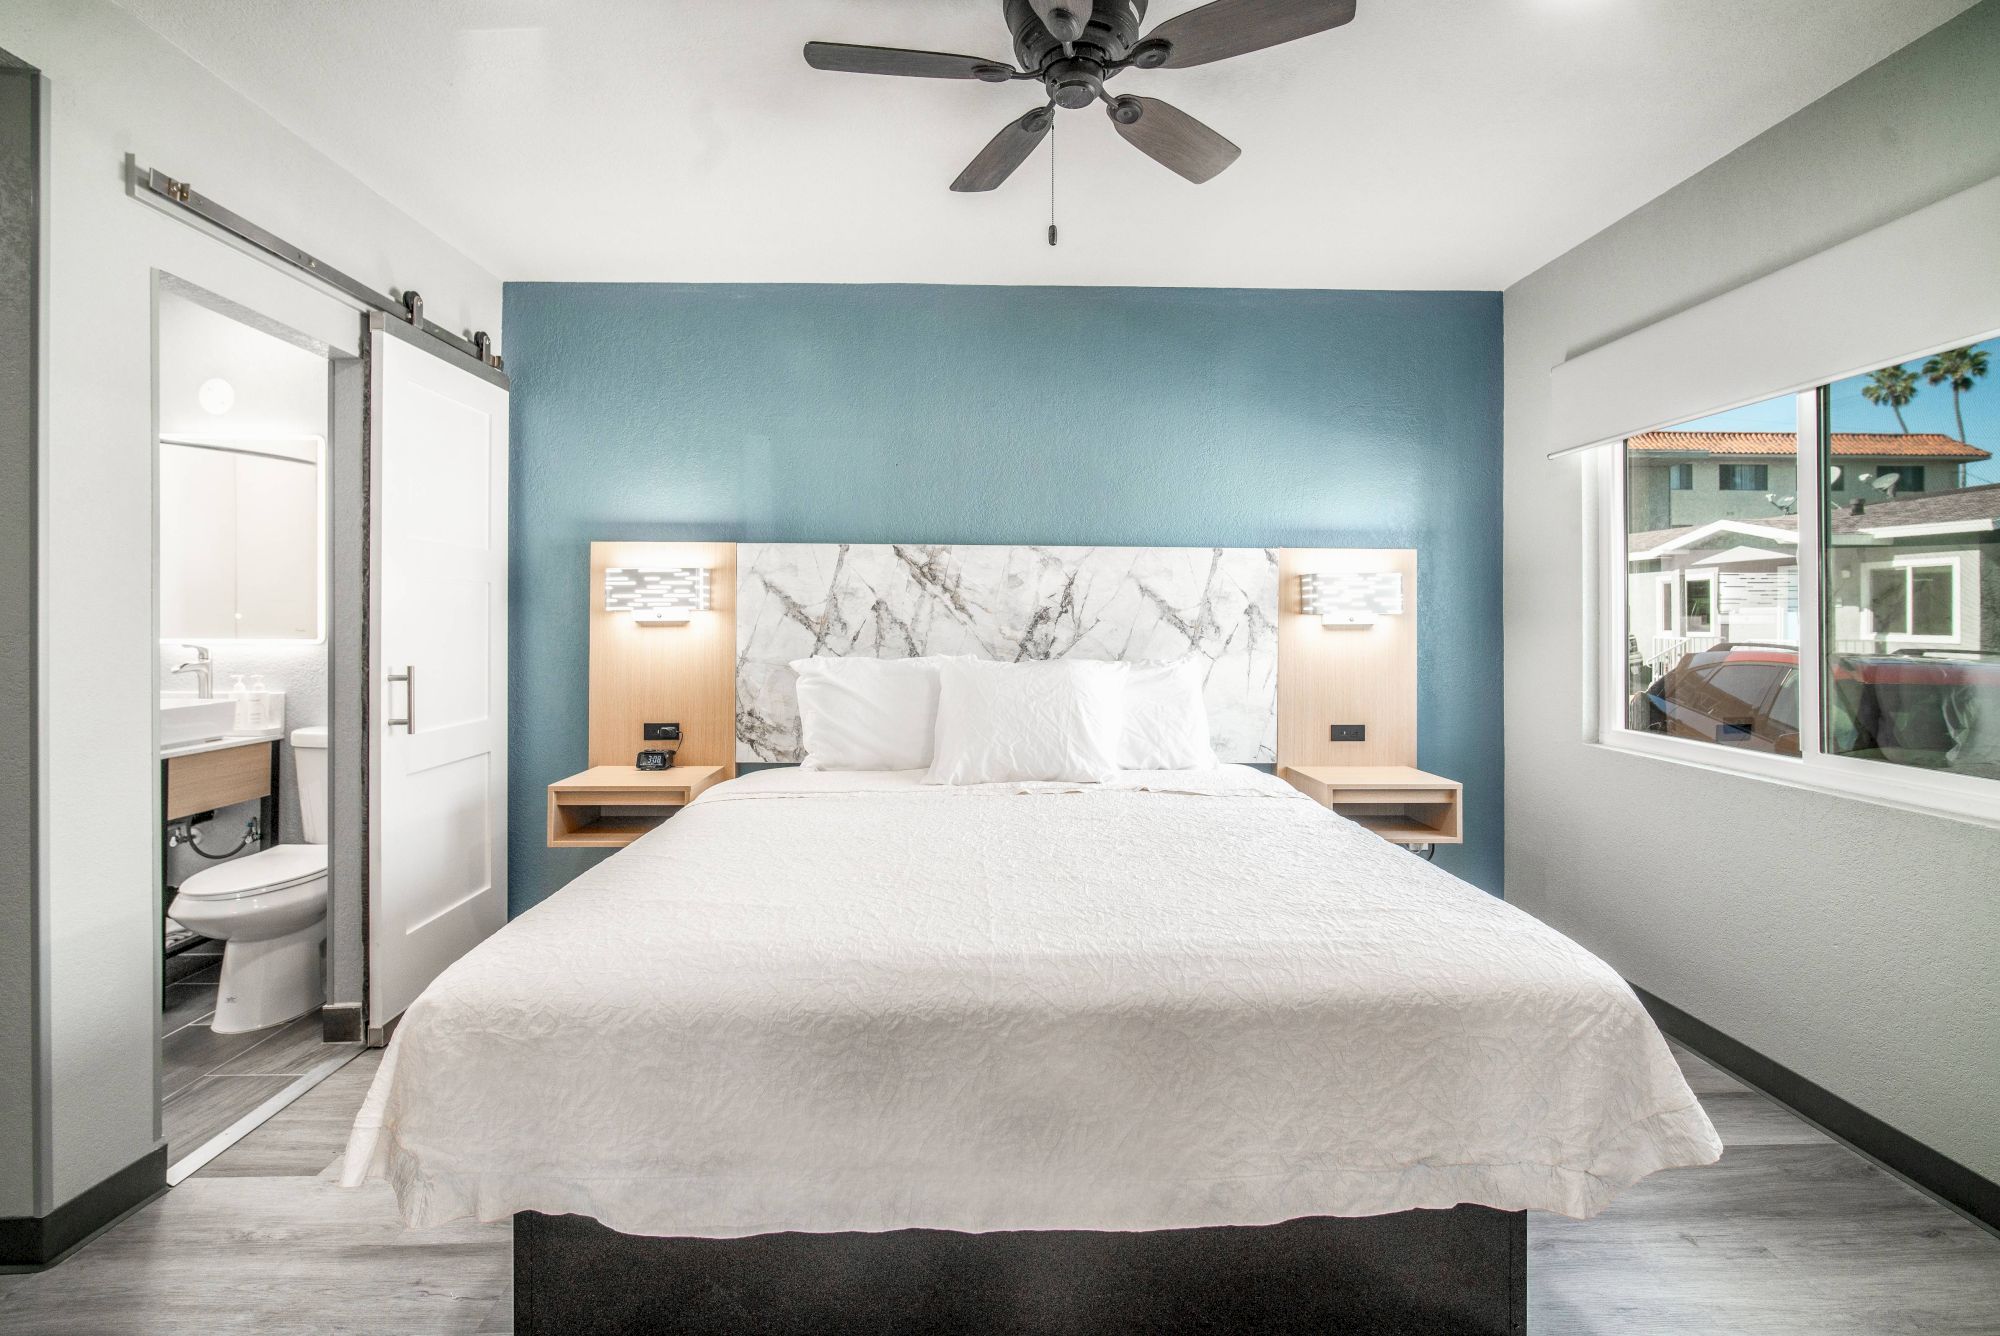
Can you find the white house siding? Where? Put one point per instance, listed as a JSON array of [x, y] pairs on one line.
[[1865, 965]]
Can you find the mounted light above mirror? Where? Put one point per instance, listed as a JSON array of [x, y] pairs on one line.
[[656, 597], [1351, 598]]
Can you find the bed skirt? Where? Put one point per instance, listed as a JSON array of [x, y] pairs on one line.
[[1458, 1272]]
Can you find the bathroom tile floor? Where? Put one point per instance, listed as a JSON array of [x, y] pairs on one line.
[[1791, 1235], [209, 1080]]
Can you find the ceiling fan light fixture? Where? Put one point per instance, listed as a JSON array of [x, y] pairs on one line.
[[1073, 47], [1064, 24], [1075, 84]]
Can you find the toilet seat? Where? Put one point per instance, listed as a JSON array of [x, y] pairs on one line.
[[260, 873]]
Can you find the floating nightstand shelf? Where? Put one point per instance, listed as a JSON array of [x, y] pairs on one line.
[[1400, 803], [609, 806]]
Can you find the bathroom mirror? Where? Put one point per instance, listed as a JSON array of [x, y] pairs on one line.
[[240, 539]]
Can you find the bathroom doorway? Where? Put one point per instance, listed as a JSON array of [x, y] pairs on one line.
[[259, 980]]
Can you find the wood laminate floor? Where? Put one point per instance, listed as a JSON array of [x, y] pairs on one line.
[[1790, 1234], [208, 1080]]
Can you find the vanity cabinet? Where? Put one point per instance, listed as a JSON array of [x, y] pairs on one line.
[[207, 780]]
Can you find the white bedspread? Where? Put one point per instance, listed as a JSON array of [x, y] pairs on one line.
[[854, 1002]]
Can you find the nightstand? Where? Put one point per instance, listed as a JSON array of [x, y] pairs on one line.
[[609, 806], [1400, 803]]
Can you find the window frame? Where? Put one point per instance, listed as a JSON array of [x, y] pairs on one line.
[[1678, 472], [1905, 564], [1725, 475], [1607, 621]]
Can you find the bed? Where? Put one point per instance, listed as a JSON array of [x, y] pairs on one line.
[[846, 1051]]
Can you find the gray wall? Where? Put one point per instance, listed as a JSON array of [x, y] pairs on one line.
[[1871, 966], [119, 88], [20, 975]]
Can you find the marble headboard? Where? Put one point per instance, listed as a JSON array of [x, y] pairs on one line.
[[1218, 605]]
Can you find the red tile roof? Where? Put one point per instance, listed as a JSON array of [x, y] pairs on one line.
[[1781, 444]]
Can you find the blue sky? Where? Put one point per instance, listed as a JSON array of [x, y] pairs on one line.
[[1929, 411]]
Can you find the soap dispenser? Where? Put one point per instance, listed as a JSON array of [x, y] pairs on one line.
[[270, 704], [245, 707]]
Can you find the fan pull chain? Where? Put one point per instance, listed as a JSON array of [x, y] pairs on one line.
[[1052, 179]]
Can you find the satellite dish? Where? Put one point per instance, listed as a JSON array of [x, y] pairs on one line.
[[1885, 483], [1785, 503], [1833, 475]]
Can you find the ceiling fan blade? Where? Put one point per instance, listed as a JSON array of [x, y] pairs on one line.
[[845, 59], [1225, 28], [1005, 151], [1172, 138], [1065, 19]]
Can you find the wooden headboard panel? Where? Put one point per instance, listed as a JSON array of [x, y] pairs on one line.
[[664, 674], [1346, 675], [688, 674]]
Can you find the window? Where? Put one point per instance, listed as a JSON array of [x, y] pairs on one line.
[[1870, 668], [1680, 477], [1698, 607], [1912, 575], [1934, 600], [1698, 584], [1914, 599]]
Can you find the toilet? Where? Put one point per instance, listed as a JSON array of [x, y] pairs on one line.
[[268, 909]]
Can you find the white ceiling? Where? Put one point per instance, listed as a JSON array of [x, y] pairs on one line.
[[1429, 144]]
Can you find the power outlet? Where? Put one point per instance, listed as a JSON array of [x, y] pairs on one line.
[[1350, 732], [663, 732]]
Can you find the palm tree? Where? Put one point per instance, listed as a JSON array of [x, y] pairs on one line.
[[1894, 386], [1958, 368]]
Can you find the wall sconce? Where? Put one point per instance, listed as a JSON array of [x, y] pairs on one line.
[[656, 598], [1351, 598]]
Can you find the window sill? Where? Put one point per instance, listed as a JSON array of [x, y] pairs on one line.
[[1928, 792]]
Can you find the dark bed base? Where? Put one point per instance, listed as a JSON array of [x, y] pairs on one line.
[[1417, 1273]]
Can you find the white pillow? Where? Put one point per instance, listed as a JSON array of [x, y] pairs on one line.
[[867, 714], [1044, 720], [1166, 724]]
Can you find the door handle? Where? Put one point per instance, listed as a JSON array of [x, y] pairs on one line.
[[408, 677]]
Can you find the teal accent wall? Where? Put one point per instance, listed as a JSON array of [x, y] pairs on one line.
[[1115, 416]]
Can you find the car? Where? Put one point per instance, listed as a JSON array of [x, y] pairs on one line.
[[1922, 708], [1745, 696]]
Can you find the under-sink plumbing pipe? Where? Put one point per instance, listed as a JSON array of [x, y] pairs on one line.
[[182, 832]]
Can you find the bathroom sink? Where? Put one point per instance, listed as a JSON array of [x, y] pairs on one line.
[[187, 719]]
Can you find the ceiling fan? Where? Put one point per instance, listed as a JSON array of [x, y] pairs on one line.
[[1074, 47]]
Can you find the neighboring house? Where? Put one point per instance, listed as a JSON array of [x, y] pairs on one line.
[[1694, 477], [1915, 574]]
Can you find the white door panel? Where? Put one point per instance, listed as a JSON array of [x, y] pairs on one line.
[[438, 882]]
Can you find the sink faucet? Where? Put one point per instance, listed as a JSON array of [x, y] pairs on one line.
[[201, 668]]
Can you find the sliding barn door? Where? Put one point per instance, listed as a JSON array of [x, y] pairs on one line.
[[438, 735]]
